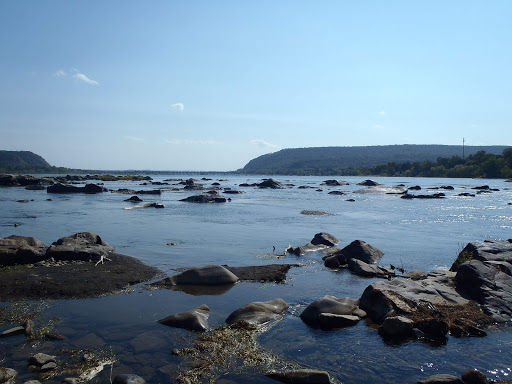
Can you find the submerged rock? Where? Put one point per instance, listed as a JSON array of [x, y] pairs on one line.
[[321, 240], [204, 199], [128, 379], [66, 188], [258, 312], [301, 376], [193, 320], [7, 375]]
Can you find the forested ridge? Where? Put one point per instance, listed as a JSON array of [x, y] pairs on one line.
[[379, 160]]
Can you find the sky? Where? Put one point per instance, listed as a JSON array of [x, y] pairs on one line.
[[210, 85]]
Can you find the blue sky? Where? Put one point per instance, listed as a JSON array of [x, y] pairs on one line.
[[209, 85]]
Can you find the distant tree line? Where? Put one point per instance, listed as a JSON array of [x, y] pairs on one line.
[[478, 165]]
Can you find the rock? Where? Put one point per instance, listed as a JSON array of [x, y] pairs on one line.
[[50, 366], [41, 359], [466, 194], [71, 380], [482, 187], [361, 268], [447, 187], [489, 250], [414, 188], [21, 250], [134, 199], [7, 375], [83, 246], [275, 273], [314, 213], [233, 192], [369, 183], [433, 196], [270, 183], [128, 379], [13, 332], [258, 312], [28, 325], [301, 376], [396, 327], [441, 379], [334, 183], [146, 205], [474, 376], [338, 193], [405, 297], [66, 188], [205, 275], [23, 180], [330, 321], [328, 304], [32, 382], [324, 238], [363, 251], [204, 199], [193, 320]]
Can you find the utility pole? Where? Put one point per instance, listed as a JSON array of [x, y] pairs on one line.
[[462, 148]]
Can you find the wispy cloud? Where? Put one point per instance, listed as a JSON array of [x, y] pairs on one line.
[[190, 142], [84, 78], [382, 112], [60, 73], [264, 144], [178, 106]]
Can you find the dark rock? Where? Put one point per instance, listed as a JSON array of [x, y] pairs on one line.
[[328, 304], [66, 188], [301, 376], [338, 193], [258, 312], [363, 251], [329, 321], [134, 199], [482, 187], [275, 273], [334, 183], [360, 268], [193, 320], [350, 200], [415, 188], [314, 213], [128, 379], [83, 246], [205, 275], [204, 199], [21, 250], [474, 376], [270, 183], [324, 238], [433, 196], [146, 205], [396, 327], [28, 325], [369, 183], [433, 328], [466, 194], [489, 250], [41, 359]]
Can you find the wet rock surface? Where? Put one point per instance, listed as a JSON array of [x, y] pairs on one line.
[[205, 275], [301, 376], [204, 199], [193, 320], [258, 312], [333, 306]]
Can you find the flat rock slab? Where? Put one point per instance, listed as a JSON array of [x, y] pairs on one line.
[[73, 280], [258, 312], [262, 273], [193, 320]]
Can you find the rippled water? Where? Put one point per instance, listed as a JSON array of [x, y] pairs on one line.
[[415, 234]]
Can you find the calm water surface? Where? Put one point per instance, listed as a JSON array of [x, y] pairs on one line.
[[415, 234]]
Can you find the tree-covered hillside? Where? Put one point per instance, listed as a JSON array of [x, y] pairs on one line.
[[343, 160], [22, 161]]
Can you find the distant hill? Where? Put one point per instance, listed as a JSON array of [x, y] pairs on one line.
[[23, 161], [337, 160]]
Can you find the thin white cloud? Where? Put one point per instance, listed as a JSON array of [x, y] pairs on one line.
[[264, 144], [60, 73], [178, 106], [382, 112], [190, 142], [84, 78]]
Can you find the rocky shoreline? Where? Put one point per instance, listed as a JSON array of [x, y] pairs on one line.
[[474, 294]]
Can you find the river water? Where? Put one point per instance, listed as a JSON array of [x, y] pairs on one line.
[[413, 234]]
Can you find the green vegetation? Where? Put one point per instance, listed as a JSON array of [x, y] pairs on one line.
[[386, 160], [478, 165]]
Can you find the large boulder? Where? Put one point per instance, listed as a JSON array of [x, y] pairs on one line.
[[205, 275], [193, 320], [396, 327], [66, 188], [270, 183], [258, 312], [329, 305], [324, 238], [488, 250], [83, 246], [320, 241], [363, 251], [334, 183], [361, 268], [21, 250], [7, 375]]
